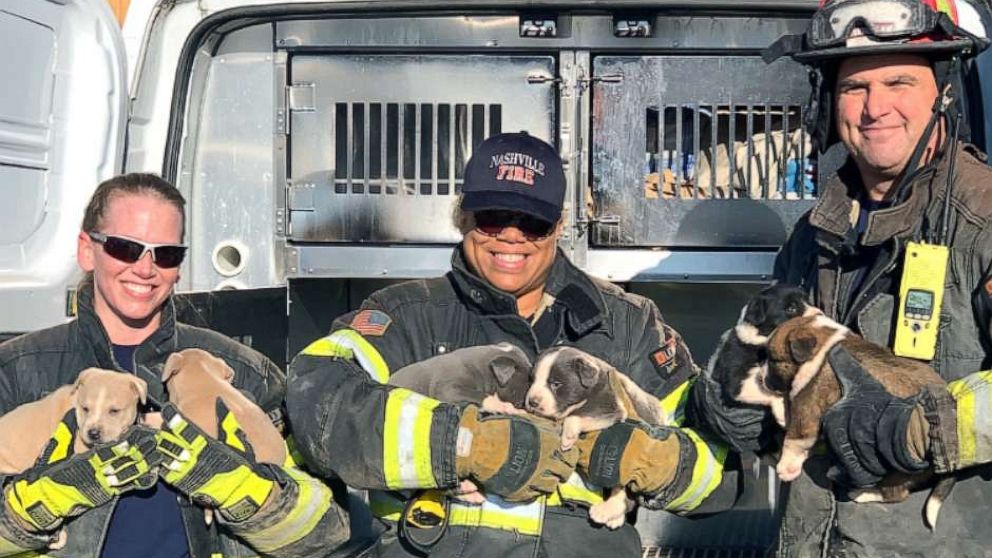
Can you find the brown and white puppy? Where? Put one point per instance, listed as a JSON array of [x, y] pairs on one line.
[[105, 403], [496, 377], [739, 362], [587, 394], [799, 370]]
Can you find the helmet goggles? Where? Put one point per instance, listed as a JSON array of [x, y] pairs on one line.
[[843, 22]]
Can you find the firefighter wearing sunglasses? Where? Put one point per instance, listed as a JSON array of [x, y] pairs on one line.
[[508, 283], [899, 249], [144, 495]]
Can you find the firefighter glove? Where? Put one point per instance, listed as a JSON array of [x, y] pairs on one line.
[[511, 456], [871, 431], [220, 474], [743, 427], [62, 485], [643, 459]]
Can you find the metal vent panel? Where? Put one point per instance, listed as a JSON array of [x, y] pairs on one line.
[[699, 151], [378, 143]]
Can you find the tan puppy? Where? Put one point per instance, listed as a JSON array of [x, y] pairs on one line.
[[587, 394], [106, 404], [799, 371], [195, 379]]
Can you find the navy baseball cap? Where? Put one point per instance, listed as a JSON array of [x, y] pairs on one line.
[[516, 172]]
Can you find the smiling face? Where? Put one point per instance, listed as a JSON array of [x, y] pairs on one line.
[[128, 297], [512, 263], [884, 103]]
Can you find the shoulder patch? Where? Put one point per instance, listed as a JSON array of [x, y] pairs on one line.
[[371, 322], [664, 359]]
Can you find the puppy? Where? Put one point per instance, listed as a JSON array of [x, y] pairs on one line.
[[587, 394], [105, 403], [738, 363], [495, 377], [195, 380], [799, 371]]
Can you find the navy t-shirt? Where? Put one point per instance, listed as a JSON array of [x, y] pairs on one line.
[[145, 523]]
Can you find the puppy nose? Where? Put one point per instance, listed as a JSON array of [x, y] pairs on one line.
[[93, 434], [533, 402]]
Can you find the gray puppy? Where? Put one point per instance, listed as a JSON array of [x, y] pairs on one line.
[[496, 377]]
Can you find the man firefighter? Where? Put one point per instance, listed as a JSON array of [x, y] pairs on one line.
[[508, 283], [899, 249]]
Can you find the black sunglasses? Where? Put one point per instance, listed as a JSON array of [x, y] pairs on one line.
[[492, 222], [126, 250]]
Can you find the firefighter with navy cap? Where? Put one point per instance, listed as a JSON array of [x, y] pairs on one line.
[[899, 249], [508, 283]]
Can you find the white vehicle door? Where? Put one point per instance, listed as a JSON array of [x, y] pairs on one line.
[[62, 118]]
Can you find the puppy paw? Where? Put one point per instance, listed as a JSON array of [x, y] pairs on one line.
[[570, 431], [474, 498], [60, 539], [789, 469], [778, 411], [611, 513], [866, 496], [208, 516]]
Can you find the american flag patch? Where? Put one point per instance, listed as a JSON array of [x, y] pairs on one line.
[[371, 322]]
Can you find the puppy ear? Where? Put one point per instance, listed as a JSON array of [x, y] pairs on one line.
[[586, 371], [82, 377], [802, 345], [172, 366], [756, 311], [504, 368], [140, 387]]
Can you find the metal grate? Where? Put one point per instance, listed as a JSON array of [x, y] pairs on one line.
[[703, 151], [407, 148]]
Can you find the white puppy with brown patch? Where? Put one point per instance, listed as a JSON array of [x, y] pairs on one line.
[[587, 394]]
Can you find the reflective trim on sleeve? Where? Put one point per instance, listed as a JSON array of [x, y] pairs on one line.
[[406, 440], [495, 513], [673, 404], [575, 489], [974, 416], [8, 548], [707, 473], [348, 343], [312, 502]]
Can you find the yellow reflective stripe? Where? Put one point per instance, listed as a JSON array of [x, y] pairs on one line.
[[241, 483], [63, 439], [495, 513], [673, 405], [406, 440], [707, 473], [384, 505], [348, 343], [229, 425], [8, 548], [575, 489], [312, 503], [974, 416]]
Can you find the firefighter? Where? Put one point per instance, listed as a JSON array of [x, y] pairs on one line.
[[899, 242], [145, 496], [508, 282]]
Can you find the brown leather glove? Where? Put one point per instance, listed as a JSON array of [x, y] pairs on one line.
[[628, 455], [517, 458]]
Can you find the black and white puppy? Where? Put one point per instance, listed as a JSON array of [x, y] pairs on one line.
[[587, 394], [739, 363], [496, 377]]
